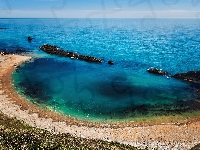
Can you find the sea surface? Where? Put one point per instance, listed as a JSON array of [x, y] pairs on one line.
[[102, 92]]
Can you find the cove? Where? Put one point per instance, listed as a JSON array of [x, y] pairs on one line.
[[101, 92]]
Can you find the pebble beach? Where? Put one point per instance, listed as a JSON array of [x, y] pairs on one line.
[[161, 134]]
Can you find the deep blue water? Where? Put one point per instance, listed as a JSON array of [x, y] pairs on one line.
[[100, 91]]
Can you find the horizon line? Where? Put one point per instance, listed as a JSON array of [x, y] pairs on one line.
[[99, 18]]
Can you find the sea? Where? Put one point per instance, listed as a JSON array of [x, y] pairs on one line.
[[90, 91]]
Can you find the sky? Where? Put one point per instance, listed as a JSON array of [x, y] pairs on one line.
[[100, 8]]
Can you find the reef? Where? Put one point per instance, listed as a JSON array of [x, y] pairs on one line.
[[55, 50]]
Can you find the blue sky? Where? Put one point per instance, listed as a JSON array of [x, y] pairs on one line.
[[99, 8]]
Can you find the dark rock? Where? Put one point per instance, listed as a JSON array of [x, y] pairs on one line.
[[198, 91], [29, 38], [157, 71], [18, 51], [2, 28], [191, 76], [4, 53], [54, 50], [110, 62]]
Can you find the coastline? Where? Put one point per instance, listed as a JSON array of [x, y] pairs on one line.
[[175, 135]]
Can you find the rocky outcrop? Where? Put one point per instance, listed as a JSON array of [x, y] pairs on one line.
[[2, 28], [18, 51], [191, 76], [55, 50], [157, 71]]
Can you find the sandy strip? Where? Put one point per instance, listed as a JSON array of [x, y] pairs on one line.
[[159, 135]]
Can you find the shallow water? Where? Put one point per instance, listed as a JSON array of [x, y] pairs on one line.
[[100, 91]]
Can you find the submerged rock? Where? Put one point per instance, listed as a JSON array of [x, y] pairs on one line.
[[54, 50], [157, 71]]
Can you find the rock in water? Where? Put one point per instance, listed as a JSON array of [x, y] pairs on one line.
[[29, 38], [191, 76], [157, 71], [110, 62], [54, 50]]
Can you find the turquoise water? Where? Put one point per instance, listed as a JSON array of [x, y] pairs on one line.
[[100, 91]]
